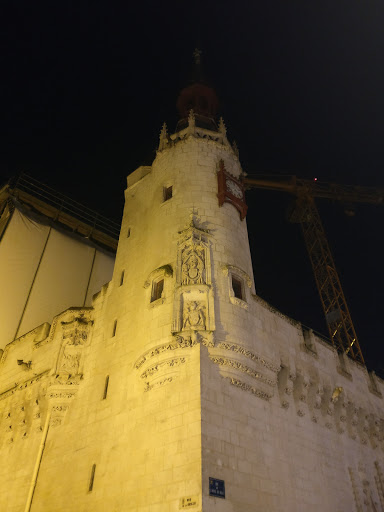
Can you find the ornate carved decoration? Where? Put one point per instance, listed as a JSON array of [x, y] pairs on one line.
[[185, 340], [194, 315], [246, 387], [233, 347], [158, 383], [190, 339], [193, 260], [232, 363], [76, 330], [193, 309], [193, 301], [169, 363], [75, 336]]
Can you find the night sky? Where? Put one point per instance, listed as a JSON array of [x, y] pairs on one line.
[[85, 88]]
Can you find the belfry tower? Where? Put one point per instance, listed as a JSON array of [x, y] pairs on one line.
[[180, 388]]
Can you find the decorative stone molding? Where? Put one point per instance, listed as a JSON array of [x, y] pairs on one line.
[[164, 270], [233, 347], [236, 365], [60, 397], [158, 383], [23, 385], [168, 363], [246, 387], [184, 340], [227, 269], [238, 302], [189, 339]]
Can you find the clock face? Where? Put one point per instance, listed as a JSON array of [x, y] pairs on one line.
[[234, 188]]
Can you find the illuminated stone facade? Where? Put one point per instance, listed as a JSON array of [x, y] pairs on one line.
[[179, 374]]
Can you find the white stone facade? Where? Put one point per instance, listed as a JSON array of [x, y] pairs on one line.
[[171, 378]]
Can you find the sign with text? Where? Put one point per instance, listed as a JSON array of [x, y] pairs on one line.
[[216, 488], [188, 502]]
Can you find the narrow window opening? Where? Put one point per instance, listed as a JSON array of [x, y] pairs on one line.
[[122, 278], [114, 328], [106, 387], [157, 290], [237, 287], [92, 479], [167, 193], [129, 232]]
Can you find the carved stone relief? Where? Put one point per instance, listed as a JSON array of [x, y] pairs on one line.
[[193, 260], [194, 315], [193, 300], [193, 309], [75, 336]]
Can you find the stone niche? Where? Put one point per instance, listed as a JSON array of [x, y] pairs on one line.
[[193, 300]]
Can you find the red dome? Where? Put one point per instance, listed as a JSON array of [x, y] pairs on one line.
[[199, 97]]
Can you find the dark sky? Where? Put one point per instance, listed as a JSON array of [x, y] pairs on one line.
[[85, 88]]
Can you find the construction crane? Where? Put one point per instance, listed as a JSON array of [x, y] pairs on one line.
[[337, 315]]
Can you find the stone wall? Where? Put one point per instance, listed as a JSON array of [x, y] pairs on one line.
[[179, 372]]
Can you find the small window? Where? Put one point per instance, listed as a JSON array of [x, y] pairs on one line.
[[122, 278], [237, 287], [157, 290], [167, 193], [114, 328], [92, 479], [106, 387], [128, 232]]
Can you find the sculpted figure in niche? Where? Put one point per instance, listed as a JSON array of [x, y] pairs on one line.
[[194, 317], [192, 268], [70, 363]]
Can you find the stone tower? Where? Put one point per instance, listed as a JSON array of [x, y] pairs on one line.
[[180, 388]]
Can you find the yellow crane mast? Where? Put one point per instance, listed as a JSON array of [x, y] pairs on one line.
[[337, 315]]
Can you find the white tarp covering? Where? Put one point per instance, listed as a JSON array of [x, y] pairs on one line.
[[42, 273]]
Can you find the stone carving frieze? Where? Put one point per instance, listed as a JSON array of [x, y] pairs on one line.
[[246, 387], [236, 365], [168, 363], [233, 347], [190, 339], [158, 383]]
